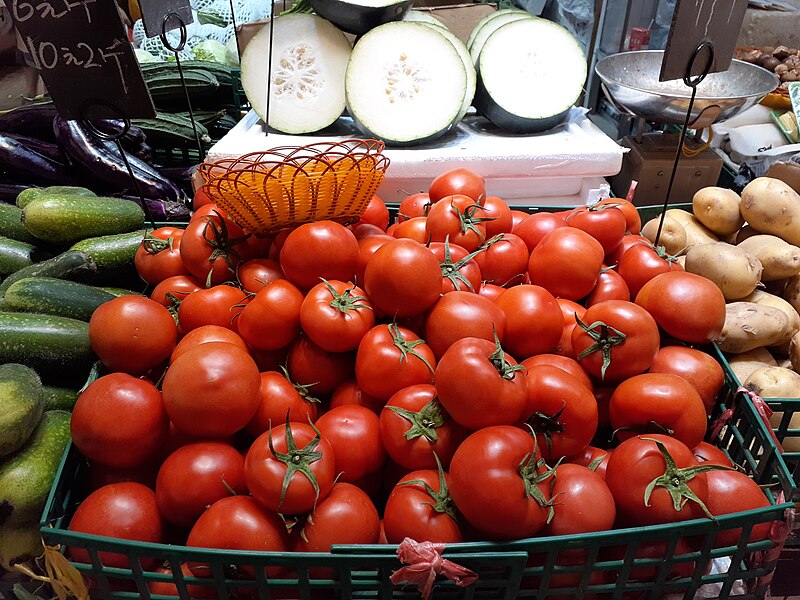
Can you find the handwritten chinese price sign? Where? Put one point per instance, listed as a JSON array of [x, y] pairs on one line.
[[82, 51]]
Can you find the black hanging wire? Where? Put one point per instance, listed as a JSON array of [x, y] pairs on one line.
[[175, 50], [690, 81], [116, 137], [235, 28]]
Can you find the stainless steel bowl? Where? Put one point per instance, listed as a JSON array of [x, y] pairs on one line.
[[630, 80]]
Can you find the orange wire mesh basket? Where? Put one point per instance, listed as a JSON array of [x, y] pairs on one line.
[[265, 192]]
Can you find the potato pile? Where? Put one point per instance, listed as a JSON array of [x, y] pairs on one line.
[[783, 61], [750, 247]]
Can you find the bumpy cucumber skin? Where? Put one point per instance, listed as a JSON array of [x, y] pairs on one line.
[[16, 255], [112, 251], [21, 406], [48, 296], [46, 343], [62, 266]]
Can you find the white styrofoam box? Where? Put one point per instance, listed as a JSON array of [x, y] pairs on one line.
[[516, 167]]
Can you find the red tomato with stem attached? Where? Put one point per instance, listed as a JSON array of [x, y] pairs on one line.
[[666, 297], [491, 291], [458, 181], [628, 240], [354, 432], [132, 334], [210, 247], [460, 270], [569, 309], [583, 502], [695, 366], [119, 421], [610, 286], [480, 386], [308, 364], [534, 322], [567, 263], [257, 273], [290, 468], [459, 219], [603, 222], [633, 221], [415, 426], [420, 508], [562, 413], [500, 214], [173, 290], [534, 227], [336, 315], [194, 477], [642, 262], [660, 403], [596, 459], [497, 471], [159, 256], [460, 315], [391, 358], [504, 262], [322, 249], [413, 205], [218, 305], [618, 339], [280, 397], [271, 320]]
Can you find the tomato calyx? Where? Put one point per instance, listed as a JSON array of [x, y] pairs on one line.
[[498, 359], [468, 221], [648, 428], [547, 425], [297, 460], [424, 422], [405, 346], [605, 338], [533, 472], [220, 245], [302, 388], [452, 270], [662, 253], [346, 301], [595, 464], [442, 501], [154, 245], [675, 480]]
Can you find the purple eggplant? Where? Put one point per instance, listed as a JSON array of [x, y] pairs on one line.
[[51, 151], [102, 160], [163, 210], [27, 165], [33, 121], [10, 191]]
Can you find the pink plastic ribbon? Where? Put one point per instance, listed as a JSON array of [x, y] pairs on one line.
[[424, 562], [631, 191], [764, 411]]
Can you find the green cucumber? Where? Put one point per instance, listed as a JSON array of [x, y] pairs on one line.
[[26, 196], [27, 476], [59, 398], [118, 291], [21, 406], [167, 127], [62, 266], [16, 255], [49, 296], [111, 252], [11, 224], [67, 219], [45, 343]]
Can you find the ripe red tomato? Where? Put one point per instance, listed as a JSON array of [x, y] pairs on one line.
[[167, 588], [603, 393], [354, 432], [345, 516], [348, 392], [412, 229], [212, 390], [201, 198], [610, 286], [413, 205], [459, 219], [603, 222], [517, 217], [566, 364], [279, 397], [730, 492], [159, 256], [642, 262], [132, 334], [658, 402], [290, 468], [491, 291], [413, 511], [496, 471], [504, 262], [459, 271], [376, 214], [403, 278], [628, 484], [593, 458], [363, 230], [415, 426], [666, 297], [218, 305], [101, 475], [633, 222], [257, 273], [119, 421], [322, 249], [620, 340], [366, 248], [271, 320], [126, 511], [698, 368], [391, 358], [534, 322], [534, 227], [628, 240], [309, 364], [205, 334], [479, 385], [210, 247], [194, 477], [500, 213], [584, 502], [658, 550], [172, 291], [336, 315], [562, 412], [459, 315], [708, 453], [566, 263], [569, 310], [458, 181]]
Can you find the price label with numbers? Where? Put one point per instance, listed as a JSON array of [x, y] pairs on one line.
[[161, 16], [82, 51]]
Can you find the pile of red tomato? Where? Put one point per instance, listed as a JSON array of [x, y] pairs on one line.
[[453, 376]]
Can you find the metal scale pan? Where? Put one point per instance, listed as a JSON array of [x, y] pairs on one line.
[[630, 81]]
